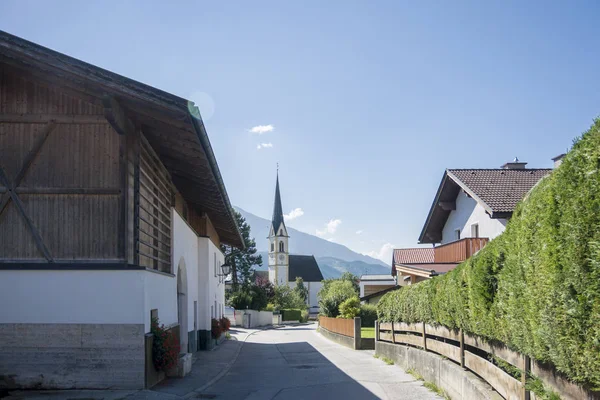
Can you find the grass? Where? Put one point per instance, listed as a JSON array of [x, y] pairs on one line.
[[367, 333], [387, 361], [429, 385]]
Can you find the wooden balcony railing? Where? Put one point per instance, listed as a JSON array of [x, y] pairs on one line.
[[459, 250]]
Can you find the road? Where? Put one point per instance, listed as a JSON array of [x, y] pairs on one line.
[[295, 362]]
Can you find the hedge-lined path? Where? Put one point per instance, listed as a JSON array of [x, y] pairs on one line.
[[294, 362]]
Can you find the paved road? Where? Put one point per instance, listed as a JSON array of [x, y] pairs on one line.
[[289, 363], [297, 363]]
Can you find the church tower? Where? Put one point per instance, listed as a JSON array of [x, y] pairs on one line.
[[278, 243]]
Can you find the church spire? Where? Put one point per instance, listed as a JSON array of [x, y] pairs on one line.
[[277, 209]]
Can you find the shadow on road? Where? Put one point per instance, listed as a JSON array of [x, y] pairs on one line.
[[294, 370]]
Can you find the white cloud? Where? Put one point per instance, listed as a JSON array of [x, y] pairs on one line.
[[384, 253], [359, 232], [262, 129], [295, 213], [330, 227], [264, 145]]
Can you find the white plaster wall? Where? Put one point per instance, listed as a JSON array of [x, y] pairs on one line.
[[469, 212], [313, 290], [160, 292], [210, 287], [185, 247], [282, 275], [72, 297]]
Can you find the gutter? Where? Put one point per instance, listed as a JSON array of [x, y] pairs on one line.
[[198, 125]]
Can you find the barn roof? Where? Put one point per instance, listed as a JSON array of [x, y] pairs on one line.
[[172, 125]]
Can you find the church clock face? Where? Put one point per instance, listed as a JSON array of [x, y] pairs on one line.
[[281, 257]]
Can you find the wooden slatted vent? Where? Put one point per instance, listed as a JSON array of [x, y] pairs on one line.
[[154, 201]]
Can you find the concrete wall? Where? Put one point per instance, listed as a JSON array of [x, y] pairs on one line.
[[336, 337], [458, 383], [257, 318], [467, 213], [53, 356]]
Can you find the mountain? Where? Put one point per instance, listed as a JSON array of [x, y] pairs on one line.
[[333, 258]]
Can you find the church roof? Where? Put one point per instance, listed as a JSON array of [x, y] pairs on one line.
[[305, 267], [277, 209]]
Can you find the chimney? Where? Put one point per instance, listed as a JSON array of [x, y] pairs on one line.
[[514, 164], [558, 159]]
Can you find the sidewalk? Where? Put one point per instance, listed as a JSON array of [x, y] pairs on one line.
[[208, 367]]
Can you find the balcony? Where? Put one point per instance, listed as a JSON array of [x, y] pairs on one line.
[[459, 250]]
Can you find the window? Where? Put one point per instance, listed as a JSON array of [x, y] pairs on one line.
[[195, 315], [272, 246], [215, 264], [281, 246], [281, 232], [475, 230], [457, 234]]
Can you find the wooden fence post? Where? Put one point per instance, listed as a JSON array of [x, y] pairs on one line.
[[424, 338], [393, 336], [462, 349], [526, 370]]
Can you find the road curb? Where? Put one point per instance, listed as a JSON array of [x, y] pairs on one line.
[[222, 373]]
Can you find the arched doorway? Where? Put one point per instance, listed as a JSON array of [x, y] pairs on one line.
[[182, 305]]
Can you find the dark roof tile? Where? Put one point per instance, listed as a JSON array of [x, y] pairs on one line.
[[305, 267]]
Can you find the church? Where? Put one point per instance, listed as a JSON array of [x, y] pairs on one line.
[[284, 268]]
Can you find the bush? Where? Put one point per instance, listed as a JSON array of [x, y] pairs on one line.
[[304, 316], [536, 287], [165, 346], [225, 324], [288, 298], [332, 294], [368, 315], [270, 307], [215, 328], [291, 315], [349, 308]]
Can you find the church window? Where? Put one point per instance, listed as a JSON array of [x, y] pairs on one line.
[[281, 246], [281, 232], [272, 246]]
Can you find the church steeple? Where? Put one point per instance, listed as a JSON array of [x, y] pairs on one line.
[[277, 219]]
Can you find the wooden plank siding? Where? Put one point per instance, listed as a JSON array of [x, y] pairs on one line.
[[88, 185], [69, 185]]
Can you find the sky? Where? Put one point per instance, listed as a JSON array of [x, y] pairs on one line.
[[362, 104]]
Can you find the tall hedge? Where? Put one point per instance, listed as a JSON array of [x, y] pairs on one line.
[[536, 287]]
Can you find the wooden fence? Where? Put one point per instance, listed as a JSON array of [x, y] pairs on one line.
[[340, 326], [476, 354]]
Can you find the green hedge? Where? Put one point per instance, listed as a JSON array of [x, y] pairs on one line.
[[291, 315], [537, 286], [368, 315]]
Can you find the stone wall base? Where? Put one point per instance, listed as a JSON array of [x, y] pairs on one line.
[[336, 337], [72, 356], [459, 384]]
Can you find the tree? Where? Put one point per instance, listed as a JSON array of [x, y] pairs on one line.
[[286, 297], [300, 289], [242, 261], [348, 276], [333, 293]]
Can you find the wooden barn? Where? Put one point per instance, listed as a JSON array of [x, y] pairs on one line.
[[112, 210]]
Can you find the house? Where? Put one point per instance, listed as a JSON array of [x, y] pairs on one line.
[[369, 284], [374, 297], [471, 207], [112, 211], [284, 268]]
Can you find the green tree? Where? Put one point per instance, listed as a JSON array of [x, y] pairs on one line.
[[242, 261], [348, 276], [333, 293], [300, 289], [285, 298], [349, 308]]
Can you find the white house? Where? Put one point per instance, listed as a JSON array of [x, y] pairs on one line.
[[284, 268], [471, 207], [112, 210]]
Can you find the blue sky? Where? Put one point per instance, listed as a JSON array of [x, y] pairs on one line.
[[369, 101]]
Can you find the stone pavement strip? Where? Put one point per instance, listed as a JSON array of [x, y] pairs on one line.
[[291, 362]]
